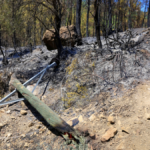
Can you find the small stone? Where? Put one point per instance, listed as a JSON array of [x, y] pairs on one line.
[[92, 135], [92, 117], [49, 132], [23, 135], [8, 145], [31, 141], [80, 118], [38, 126], [42, 130], [23, 112], [30, 124], [8, 112], [109, 134], [70, 123], [36, 91], [102, 116], [26, 145], [119, 122], [13, 117], [83, 130], [2, 111], [73, 122], [111, 119], [22, 104], [1, 125], [147, 116], [8, 134]]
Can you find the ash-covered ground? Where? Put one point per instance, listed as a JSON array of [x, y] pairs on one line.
[[88, 76]]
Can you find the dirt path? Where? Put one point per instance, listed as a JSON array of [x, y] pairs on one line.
[[131, 115]]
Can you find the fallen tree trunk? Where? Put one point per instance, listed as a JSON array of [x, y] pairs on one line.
[[49, 115]]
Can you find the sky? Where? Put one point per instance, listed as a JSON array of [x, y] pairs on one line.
[[143, 6]]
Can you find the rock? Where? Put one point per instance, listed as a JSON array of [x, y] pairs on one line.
[[23, 112], [22, 104], [109, 134], [92, 117], [38, 126], [8, 134], [36, 91], [68, 37], [102, 116], [73, 122], [70, 122], [147, 116], [23, 135], [37, 51], [89, 40], [13, 117], [111, 119], [49, 132], [11, 87], [26, 145], [42, 130], [2, 125], [30, 124], [8, 112], [83, 130], [80, 118], [92, 135]]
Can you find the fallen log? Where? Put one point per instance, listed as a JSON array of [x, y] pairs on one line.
[[49, 115]]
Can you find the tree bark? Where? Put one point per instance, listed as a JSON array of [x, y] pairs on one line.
[[97, 23], [13, 18], [70, 13], [57, 24], [34, 32], [110, 15], [129, 17], [87, 18], [78, 20], [148, 18]]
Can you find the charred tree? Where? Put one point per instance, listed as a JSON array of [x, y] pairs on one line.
[[96, 20], [70, 13], [110, 15], [87, 18], [57, 24], [148, 18], [78, 20]]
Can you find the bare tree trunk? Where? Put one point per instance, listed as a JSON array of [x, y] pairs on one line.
[[70, 12], [78, 20], [13, 18], [129, 17], [97, 23], [110, 15], [74, 14], [57, 22], [148, 18], [5, 61], [34, 38], [144, 14], [42, 32], [87, 18]]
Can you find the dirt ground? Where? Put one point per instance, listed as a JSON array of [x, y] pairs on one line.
[[130, 112], [118, 119]]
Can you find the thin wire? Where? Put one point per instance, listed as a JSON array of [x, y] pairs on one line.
[[27, 82]]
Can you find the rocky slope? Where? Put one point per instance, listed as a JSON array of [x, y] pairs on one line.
[[106, 98]]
